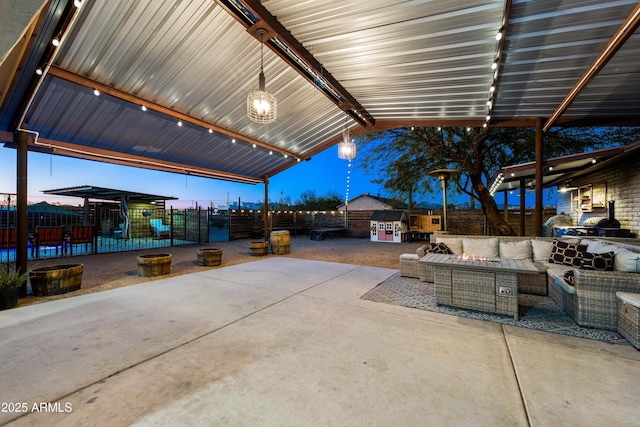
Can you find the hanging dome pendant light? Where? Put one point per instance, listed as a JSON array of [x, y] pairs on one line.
[[262, 107]]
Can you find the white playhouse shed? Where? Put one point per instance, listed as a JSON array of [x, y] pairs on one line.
[[388, 226]]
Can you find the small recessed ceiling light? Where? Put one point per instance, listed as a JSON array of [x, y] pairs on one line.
[[494, 65], [492, 88], [96, 92], [298, 160], [285, 156], [485, 125], [55, 42], [254, 145], [77, 3], [39, 71], [179, 122], [233, 140], [488, 117], [144, 108], [270, 152], [499, 35], [210, 131]]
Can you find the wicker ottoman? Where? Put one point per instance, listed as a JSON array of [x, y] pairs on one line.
[[409, 265], [628, 324]]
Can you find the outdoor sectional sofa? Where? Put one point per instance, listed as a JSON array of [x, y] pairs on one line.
[[590, 298]]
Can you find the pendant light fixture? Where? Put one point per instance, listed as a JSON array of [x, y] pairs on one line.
[[346, 147], [262, 107]]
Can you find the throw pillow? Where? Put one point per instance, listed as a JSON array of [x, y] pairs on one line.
[[625, 260], [453, 243], [602, 261], [569, 277], [438, 248], [597, 246], [481, 247], [517, 250], [567, 253]]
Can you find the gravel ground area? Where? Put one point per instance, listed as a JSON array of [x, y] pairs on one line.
[[109, 271]]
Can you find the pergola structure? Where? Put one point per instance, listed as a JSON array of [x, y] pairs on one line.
[[163, 84]]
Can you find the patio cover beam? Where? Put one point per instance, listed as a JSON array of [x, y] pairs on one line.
[[625, 31], [98, 154], [116, 93]]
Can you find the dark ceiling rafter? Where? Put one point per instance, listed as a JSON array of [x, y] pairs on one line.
[[92, 84], [623, 33], [278, 34], [63, 148]]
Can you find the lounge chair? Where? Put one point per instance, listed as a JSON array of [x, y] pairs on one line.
[[7, 238], [160, 230], [47, 236], [80, 234]]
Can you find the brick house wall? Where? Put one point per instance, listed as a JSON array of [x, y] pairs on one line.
[[622, 184]]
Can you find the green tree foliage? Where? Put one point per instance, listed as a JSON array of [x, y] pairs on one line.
[[403, 157], [309, 200]]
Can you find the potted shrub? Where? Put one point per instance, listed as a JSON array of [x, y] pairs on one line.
[[10, 282]]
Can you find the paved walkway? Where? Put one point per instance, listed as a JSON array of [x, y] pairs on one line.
[[287, 342]]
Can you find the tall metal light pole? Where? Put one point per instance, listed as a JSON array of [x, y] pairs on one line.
[[444, 175]]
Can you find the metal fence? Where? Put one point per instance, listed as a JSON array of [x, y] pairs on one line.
[[56, 231]]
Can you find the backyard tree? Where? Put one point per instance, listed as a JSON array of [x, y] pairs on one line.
[[401, 158]]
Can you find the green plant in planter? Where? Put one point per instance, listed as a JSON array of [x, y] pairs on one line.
[[12, 278], [10, 282]]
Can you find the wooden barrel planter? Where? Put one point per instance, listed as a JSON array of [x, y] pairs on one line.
[[280, 242], [209, 257], [56, 279], [154, 265], [258, 248]]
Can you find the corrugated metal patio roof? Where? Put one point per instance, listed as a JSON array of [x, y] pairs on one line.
[[362, 64]]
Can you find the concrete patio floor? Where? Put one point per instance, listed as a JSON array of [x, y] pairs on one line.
[[287, 342]]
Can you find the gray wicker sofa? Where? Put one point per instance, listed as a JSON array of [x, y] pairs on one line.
[[591, 299]]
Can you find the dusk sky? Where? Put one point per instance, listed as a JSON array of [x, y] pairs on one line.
[[323, 173]]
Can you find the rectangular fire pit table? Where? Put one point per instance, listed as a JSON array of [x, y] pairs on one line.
[[484, 284]]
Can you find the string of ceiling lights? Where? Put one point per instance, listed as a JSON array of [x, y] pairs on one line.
[[495, 65]]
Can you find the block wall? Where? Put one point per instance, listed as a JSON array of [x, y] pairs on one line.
[[622, 182]]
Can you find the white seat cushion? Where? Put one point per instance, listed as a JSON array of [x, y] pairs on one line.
[[541, 250], [481, 247], [516, 250]]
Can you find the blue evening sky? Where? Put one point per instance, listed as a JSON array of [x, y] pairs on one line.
[[323, 173]]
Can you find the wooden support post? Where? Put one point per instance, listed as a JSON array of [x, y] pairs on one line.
[[539, 172], [266, 208], [505, 209], [523, 207], [22, 140]]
